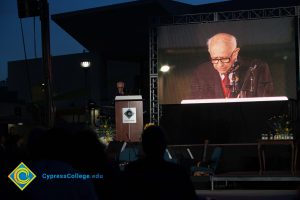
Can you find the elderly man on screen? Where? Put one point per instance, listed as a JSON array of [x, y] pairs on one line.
[[228, 76]]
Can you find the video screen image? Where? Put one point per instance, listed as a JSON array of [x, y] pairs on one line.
[[227, 60]]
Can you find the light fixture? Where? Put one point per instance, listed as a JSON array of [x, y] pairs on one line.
[[165, 68], [85, 64]]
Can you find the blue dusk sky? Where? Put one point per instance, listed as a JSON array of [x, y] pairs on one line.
[[11, 45]]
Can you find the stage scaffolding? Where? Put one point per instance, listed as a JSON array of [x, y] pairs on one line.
[[155, 111]]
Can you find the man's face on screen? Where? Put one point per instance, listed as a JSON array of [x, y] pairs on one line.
[[222, 57]]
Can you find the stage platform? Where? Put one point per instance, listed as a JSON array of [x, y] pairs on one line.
[[248, 194], [250, 180]]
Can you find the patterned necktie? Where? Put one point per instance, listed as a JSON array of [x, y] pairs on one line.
[[226, 85]]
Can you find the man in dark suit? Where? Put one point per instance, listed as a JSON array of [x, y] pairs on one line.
[[226, 76]]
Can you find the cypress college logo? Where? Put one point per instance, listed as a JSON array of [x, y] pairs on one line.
[[21, 176]]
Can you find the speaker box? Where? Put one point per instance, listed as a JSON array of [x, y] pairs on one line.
[[28, 8]]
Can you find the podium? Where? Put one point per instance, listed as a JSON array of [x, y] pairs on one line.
[[129, 118]]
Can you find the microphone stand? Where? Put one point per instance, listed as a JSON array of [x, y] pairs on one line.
[[250, 76], [234, 89], [234, 85]]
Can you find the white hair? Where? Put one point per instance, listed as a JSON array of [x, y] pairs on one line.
[[227, 39]]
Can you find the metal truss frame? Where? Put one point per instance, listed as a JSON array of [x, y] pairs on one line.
[[155, 111], [154, 103]]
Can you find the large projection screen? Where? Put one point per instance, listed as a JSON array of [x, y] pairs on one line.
[[184, 49]]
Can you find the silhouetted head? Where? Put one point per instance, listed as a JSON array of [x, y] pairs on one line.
[[154, 141], [37, 142], [58, 144], [87, 143]]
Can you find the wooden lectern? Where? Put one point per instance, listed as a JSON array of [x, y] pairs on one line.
[[129, 118]]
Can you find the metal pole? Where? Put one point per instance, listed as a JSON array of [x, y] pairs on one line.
[[49, 106], [85, 83], [87, 90]]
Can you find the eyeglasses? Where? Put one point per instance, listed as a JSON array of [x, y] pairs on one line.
[[223, 60]]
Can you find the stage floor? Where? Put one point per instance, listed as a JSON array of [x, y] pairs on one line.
[[248, 194], [249, 180]]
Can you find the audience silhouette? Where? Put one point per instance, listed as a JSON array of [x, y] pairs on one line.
[[52, 152], [62, 150], [151, 177], [92, 159], [11, 154]]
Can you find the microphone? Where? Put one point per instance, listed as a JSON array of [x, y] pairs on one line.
[[235, 66], [252, 78]]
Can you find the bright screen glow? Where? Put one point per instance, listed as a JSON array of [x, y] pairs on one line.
[[265, 67], [233, 100]]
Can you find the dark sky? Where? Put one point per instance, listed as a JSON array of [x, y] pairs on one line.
[[11, 45]]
